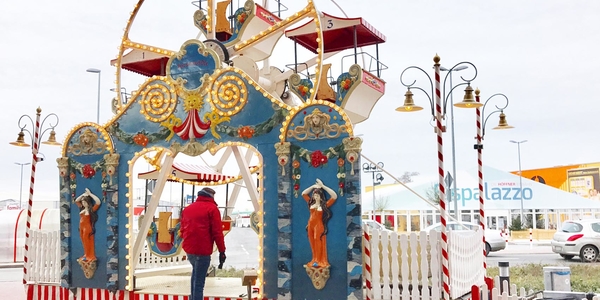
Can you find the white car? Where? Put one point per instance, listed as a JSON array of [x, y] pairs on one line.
[[578, 238], [494, 241]]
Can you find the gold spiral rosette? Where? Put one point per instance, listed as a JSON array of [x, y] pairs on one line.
[[158, 99], [228, 94]]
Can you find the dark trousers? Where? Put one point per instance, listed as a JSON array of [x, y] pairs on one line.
[[200, 266]]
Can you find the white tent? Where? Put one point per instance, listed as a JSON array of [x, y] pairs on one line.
[[501, 190]]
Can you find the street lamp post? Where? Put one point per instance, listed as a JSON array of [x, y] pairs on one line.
[[502, 124], [97, 71], [36, 136], [375, 170], [520, 175], [21, 185], [438, 111], [453, 194]]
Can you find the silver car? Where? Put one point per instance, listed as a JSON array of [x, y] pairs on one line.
[[578, 238], [374, 225], [494, 241]]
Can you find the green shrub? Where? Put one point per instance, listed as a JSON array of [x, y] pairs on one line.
[[531, 277]]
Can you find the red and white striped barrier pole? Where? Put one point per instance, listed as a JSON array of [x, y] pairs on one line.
[[34, 151], [442, 195], [367, 273], [530, 238], [479, 147]]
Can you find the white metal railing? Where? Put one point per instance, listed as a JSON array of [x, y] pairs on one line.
[[44, 257]]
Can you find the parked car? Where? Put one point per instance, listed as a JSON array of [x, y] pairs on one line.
[[374, 225], [578, 238], [494, 241]]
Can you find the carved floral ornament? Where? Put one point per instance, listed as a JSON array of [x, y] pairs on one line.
[[282, 150], [317, 125], [347, 150], [87, 144]]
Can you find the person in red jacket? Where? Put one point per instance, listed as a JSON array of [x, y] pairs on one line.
[[201, 228]]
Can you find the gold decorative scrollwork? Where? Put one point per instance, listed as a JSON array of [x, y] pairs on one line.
[[249, 5], [88, 267], [354, 70], [294, 79], [215, 119], [169, 123], [317, 125], [318, 276], [88, 144], [192, 148], [155, 160], [158, 100], [200, 20], [228, 95]]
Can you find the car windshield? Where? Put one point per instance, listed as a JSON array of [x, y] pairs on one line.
[[571, 227]]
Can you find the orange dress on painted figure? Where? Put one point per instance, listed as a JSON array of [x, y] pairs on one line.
[[317, 221], [87, 220]]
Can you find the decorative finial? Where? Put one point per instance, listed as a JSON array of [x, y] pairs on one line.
[[436, 59], [39, 110], [477, 91]]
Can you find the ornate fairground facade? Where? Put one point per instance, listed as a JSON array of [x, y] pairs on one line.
[[219, 93]]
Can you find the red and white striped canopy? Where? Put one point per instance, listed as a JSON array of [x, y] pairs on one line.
[[189, 172]]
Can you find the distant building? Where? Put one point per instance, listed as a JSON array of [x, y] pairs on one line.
[[9, 204], [549, 206]]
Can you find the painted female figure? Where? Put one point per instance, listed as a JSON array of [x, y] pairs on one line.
[[88, 204], [317, 222]]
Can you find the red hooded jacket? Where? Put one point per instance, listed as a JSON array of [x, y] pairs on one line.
[[201, 227]]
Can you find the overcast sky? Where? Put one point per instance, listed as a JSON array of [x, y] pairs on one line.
[[543, 55]]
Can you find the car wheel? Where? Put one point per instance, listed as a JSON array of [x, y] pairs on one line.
[[588, 253], [488, 249], [566, 256]]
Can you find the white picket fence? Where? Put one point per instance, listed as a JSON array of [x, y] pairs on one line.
[[409, 266], [43, 265], [396, 266], [148, 260], [465, 259]]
